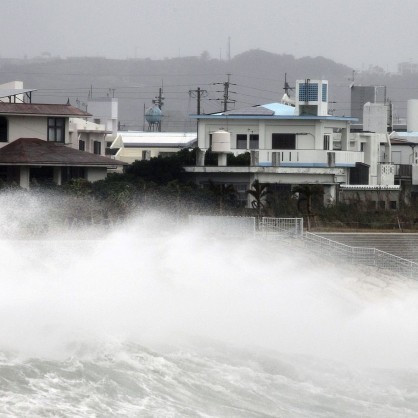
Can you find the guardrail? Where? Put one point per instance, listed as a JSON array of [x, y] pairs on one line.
[[279, 228], [271, 227], [364, 255], [246, 226]]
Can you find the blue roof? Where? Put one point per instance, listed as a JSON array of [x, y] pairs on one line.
[[280, 109], [269, 111]]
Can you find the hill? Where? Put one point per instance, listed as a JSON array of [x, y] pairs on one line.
[[256, 77]]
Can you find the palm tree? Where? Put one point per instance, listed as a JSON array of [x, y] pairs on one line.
[[259, 192], [222, 191], [306, 193]]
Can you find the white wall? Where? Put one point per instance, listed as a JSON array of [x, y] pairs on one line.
[[105, 109], [129, 155], [404, 154], [29, 127]]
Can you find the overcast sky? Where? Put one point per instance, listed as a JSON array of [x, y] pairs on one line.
[[353, 32]]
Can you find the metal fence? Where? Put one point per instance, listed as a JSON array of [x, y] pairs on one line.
[[277, 227], [364, 255], [282, 228], [233, 226]]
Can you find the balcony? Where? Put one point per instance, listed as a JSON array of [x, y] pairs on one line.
[[308, 158], [403, 171]]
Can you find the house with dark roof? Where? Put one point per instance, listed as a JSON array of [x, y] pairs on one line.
[[29, 160], [48, 141]]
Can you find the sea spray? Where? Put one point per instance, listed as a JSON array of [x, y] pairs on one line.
[[155, 317]]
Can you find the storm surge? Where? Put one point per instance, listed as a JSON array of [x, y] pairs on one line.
[[153, 317]]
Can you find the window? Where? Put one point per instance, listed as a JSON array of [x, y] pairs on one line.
[[393, 204], [97, 121], [283, 141], [241, 141], [56, 129], [254, 143], [326, 142], [97, 147], [3, 130], [81, 145]]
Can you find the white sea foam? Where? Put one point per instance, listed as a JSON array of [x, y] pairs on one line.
[[155, 317]]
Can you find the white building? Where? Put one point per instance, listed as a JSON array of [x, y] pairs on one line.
[[88, 136], [133, 146], [291, 145], [104, 111]]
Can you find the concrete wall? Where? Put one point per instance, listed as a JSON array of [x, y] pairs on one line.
[[373, 199]]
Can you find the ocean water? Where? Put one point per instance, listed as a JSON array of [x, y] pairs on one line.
[[156, 319]]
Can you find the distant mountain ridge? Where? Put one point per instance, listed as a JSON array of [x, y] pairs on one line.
[[256, 77]]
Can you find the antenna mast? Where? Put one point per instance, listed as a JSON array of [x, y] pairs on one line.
[[287, 87]]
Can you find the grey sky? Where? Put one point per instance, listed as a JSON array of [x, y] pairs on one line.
[[352, 32]]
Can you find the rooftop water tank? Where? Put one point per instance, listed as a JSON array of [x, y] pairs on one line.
[[153, 115], [221, 141]]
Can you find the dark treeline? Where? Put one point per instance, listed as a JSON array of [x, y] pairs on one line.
[[162, 184]]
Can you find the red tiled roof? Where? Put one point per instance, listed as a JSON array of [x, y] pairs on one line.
[[34, 151], [41, 109]]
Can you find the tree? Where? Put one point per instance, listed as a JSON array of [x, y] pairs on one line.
[[160, 170], [223, 192], [259, 192], [306, 193]]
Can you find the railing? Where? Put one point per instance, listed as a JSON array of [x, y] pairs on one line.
[[364, 255], [308, 156], [403, 170], [234, 226], [292, 227], [284, 228]]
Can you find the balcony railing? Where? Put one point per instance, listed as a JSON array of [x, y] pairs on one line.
[[310, 158], [403, 170]]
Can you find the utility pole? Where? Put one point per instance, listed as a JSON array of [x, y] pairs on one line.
[[198, 94], [225, 101], [159, 101]]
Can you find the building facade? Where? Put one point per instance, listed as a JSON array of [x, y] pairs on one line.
[[291, 145]]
